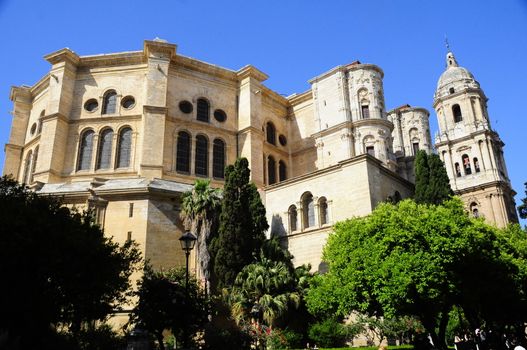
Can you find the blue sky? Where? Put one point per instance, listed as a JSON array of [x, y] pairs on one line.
[[293, 41]]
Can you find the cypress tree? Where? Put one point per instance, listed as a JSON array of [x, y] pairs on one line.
[[432, 185], [439, 186], [242, 225], [422, 177]]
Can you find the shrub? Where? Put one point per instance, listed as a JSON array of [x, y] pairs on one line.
[[328, 333]]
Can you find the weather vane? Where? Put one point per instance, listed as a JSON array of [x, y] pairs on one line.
[[446, 43]]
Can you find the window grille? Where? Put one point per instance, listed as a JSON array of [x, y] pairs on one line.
[[183, 152], [201, 160], [365, 112], [34, 165], [218, 159], [105, 149], [27, 168], [203, 110], [456, 111], [85, 150], [323, 207], [271, 170], [309, 211], [271, 133], [124, 149], [292, 218], [110, 102], [282, 174]]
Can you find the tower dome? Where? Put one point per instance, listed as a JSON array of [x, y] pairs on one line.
[[454, 78]]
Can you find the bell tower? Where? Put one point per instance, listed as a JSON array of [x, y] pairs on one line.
[[471, 151]]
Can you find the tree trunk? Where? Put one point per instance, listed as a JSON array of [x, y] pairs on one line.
[[430, 327]]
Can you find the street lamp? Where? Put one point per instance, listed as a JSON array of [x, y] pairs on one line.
[[187, 241]]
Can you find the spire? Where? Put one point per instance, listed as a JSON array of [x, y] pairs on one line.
[[450, 58]]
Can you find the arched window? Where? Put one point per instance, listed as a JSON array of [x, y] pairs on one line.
[[476, 165], [365, 109], [309, 210], [27, 167], [124, 148], [474, 210], [104, 153], [218, 159], [271, 170], [109, 104], [270, 133], [323, 209], [34, 164], [282, 171], [458, 170], [85, 150], [466, 164], [183, 152], [292, 218], [39, 128], [202, 156], [202, 110], [456, 111]]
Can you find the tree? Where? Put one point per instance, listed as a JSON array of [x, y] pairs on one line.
[[522, 209], [242, 225], [421, 260], [200, 212], [165, 305], [57, 267], [431, 180]]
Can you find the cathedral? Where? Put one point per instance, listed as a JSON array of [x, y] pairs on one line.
[[127, 133]]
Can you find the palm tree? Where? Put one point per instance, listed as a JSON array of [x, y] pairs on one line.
[[199, 211], [268, 284]]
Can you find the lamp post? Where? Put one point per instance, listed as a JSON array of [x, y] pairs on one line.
[[187, 241]]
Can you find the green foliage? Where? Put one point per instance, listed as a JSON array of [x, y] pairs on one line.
[[328, 333], [431, 180], [165, 303], [522, 208], [57, 267], [268, 284], [422, 177], [421, 260], [242, 225]]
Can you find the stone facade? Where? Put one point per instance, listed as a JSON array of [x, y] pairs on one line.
[[128, 133]]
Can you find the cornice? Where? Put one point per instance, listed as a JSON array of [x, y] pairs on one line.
[[373, 121], [251, 71], [356, 65], [159, 49], [155, 109], [250, 129], [485, 186], [296, 99], [63, 55], [112, 59], [20, 94], [193, 64]]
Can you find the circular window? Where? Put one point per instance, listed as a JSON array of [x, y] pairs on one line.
[[185, 107], [220, 115], [91, 105], [33, 128], [128, 102], [282, 139]]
